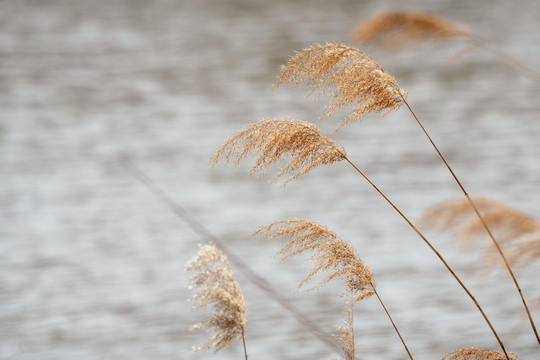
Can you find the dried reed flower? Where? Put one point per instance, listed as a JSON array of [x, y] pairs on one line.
[[329, 253], [401, 28], [479, 354], [218, 288], [348, 77], [527, 250], [345, 334], [272, 140], [501, 218]]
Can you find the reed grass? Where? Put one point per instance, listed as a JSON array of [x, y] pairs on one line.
[[397, 29], [348, 78], [518, 232], [478, 354], [217, 287], [329, 253]]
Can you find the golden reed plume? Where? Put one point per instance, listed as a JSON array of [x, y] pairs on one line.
[[479, 354], [330, 253], [401, 28], [517, 232], [347, 76], [273, 140], [345, 334], [217, 287]]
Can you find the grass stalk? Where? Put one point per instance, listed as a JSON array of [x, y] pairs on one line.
[[392, 321], [428, 243], [481, 218]]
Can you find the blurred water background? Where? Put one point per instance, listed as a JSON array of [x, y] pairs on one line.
[[91, 262]]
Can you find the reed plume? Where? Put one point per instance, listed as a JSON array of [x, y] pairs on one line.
[[347, 76], [217, 287], [400, 28], [479, 354], [273, 140], [517, 232], [329, 253], [345, 334], [403, 28], [506, 221]]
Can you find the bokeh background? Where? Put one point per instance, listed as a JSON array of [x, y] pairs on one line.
[[91, 261]]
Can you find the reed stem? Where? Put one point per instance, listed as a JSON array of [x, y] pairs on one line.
[[392, 321], [436, 253], [484, 224], [244, 342]]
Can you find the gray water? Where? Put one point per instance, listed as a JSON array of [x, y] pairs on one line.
[[91, 262]]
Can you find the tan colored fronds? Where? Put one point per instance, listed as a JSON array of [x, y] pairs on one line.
[[395, 29], [273, 140], [518, 233], [217, 287], [479, 354], [348, 77], [329, 253], [345, 334], [526, 251], [501, 218]]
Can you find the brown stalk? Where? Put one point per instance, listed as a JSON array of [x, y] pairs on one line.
[[428, 243], [481, 218], [448, 267], [392, 321]]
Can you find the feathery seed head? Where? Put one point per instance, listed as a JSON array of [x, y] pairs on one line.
[[273, 140], [348, 77], [217, 287], [479, 354], [345, 334], [401, 28], [328, 253]]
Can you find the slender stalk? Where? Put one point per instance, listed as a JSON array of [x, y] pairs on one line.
[[484, 224], [392, 321], [506, 58], [244, 342], [436, 253], [352, 327]]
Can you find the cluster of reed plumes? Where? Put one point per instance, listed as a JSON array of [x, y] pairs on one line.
[[348, 78]]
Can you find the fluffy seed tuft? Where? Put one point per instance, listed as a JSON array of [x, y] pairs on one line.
[[395, 29], [329, 253], [478, 354], [217, 287], [349, 77], [273, 140]]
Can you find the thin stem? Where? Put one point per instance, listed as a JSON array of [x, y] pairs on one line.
[[436, 253], [506, 58], [392, 321], [484, 224], [244, 342]]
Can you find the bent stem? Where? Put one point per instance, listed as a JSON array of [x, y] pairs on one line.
[[506, 58], [436, 253], [392, 321], [484, 224]]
